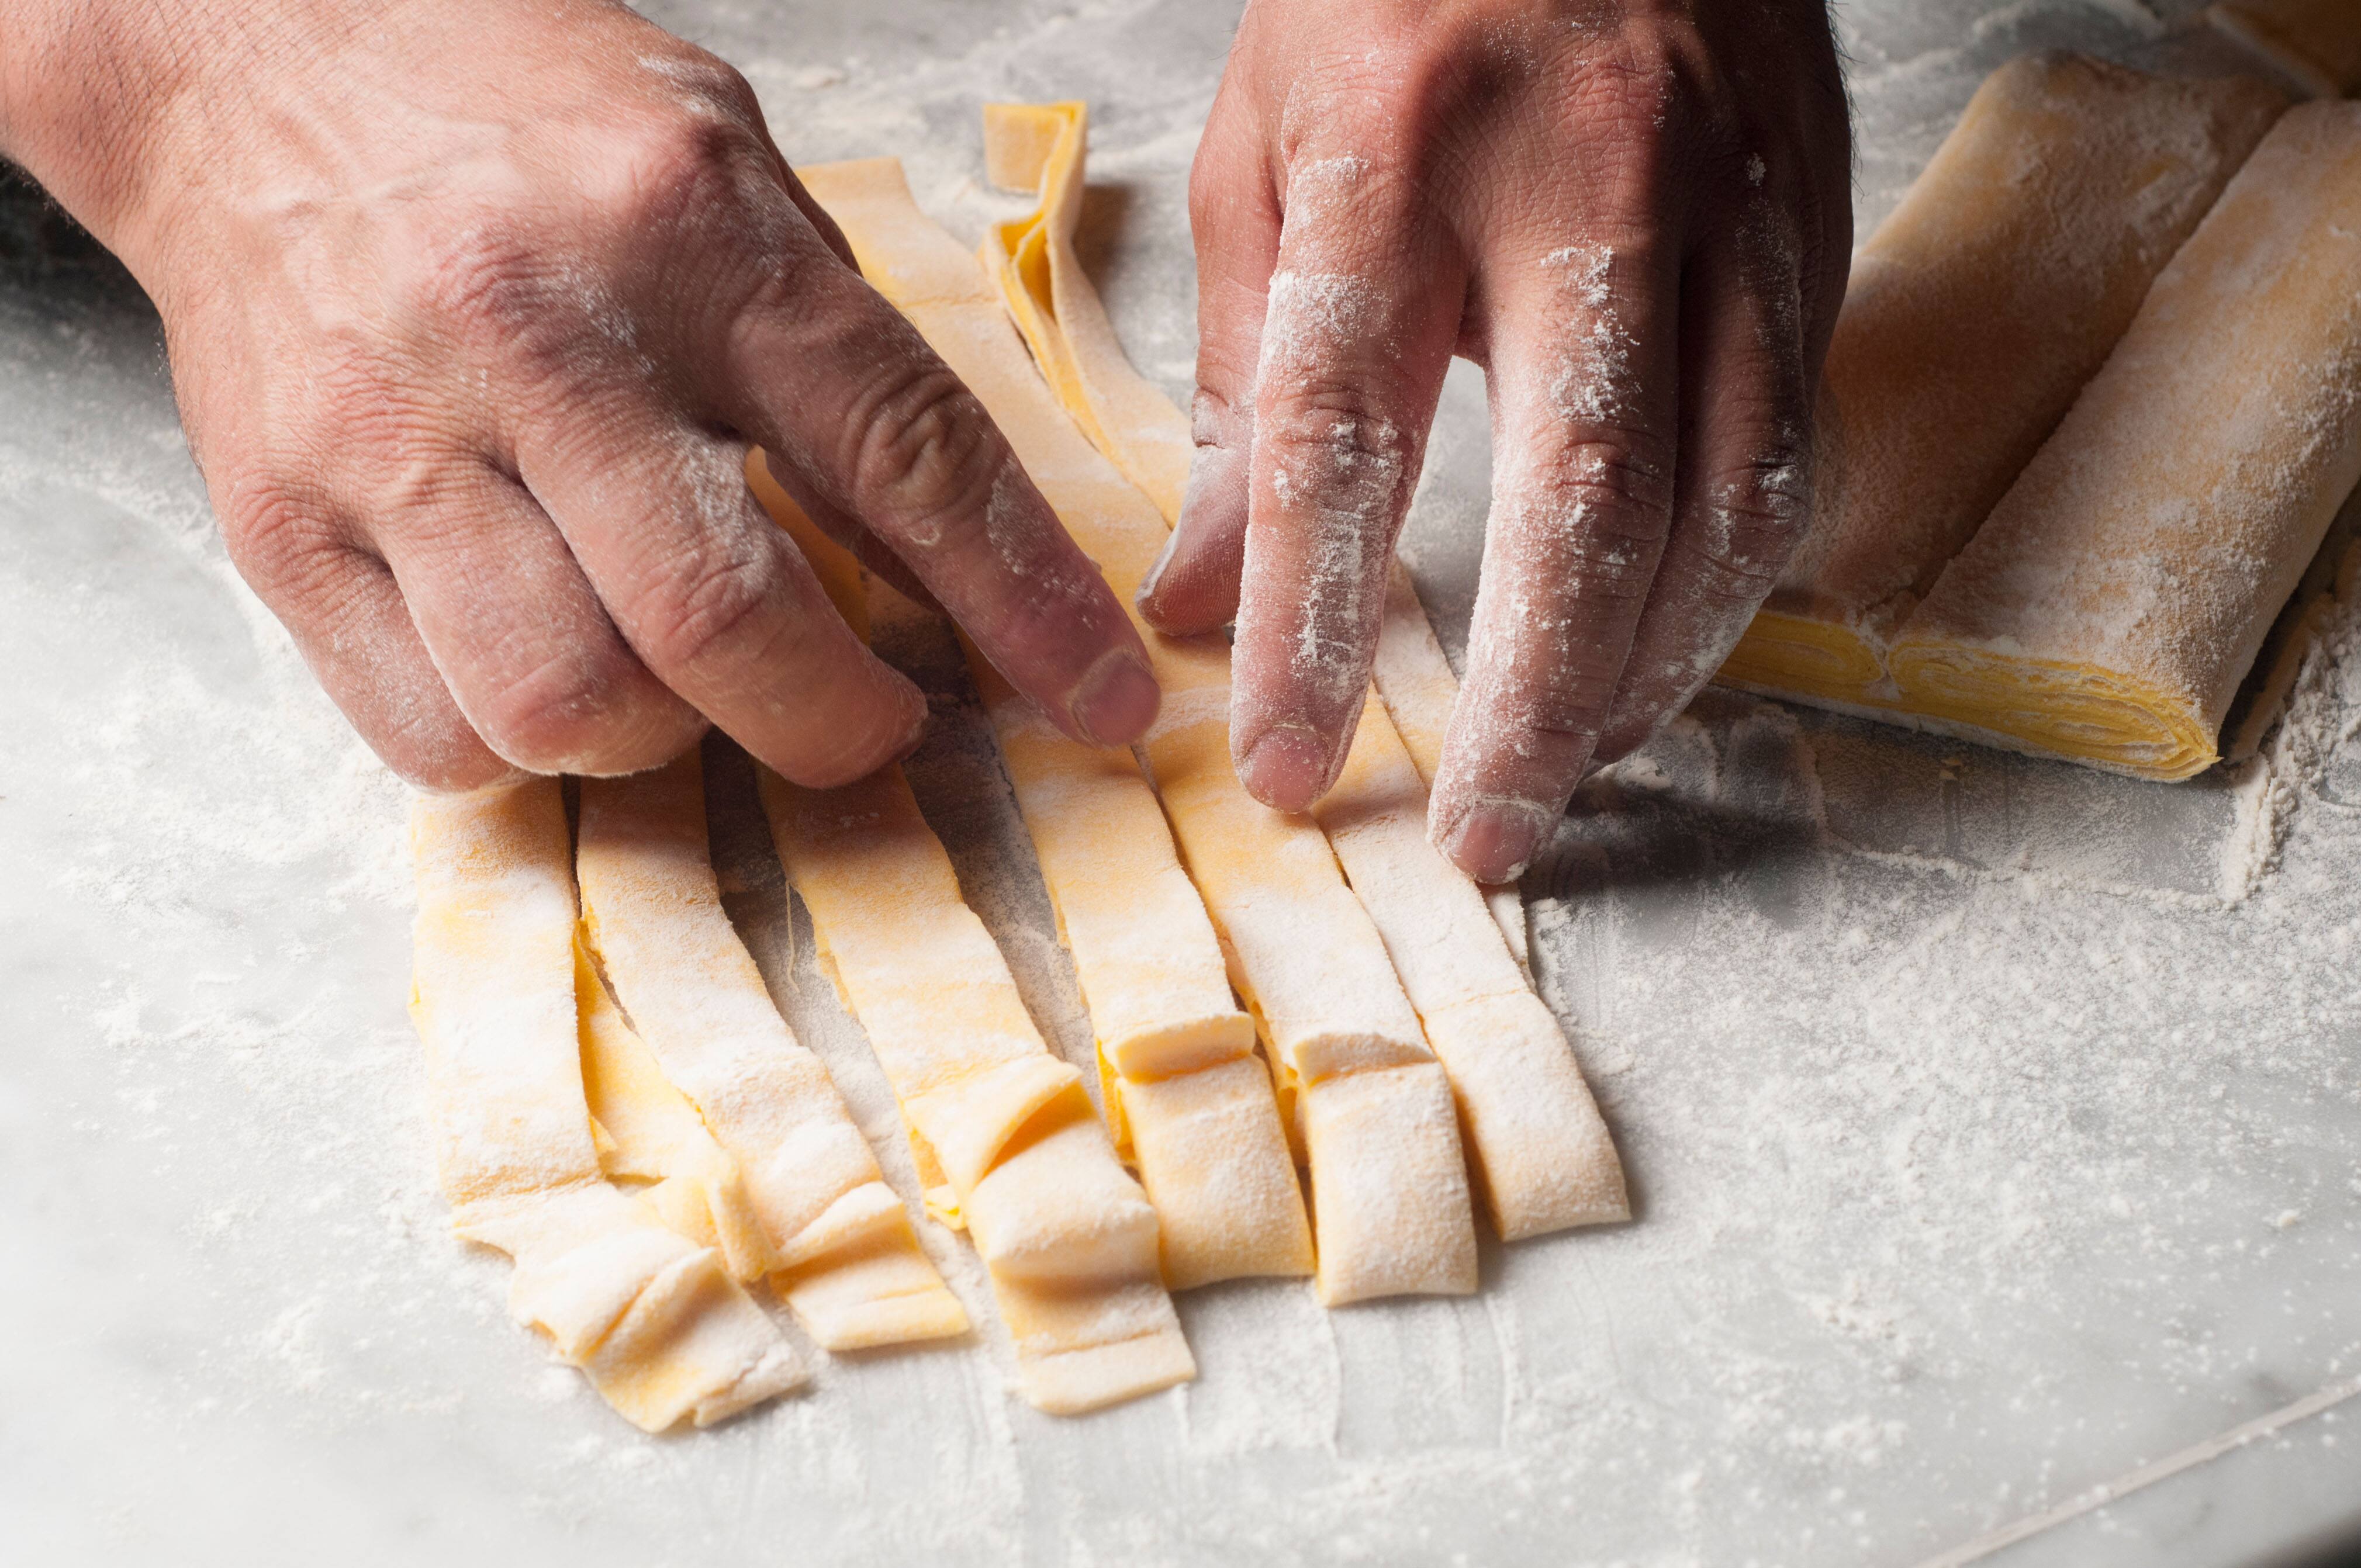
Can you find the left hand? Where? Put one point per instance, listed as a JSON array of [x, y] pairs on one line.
[[1635, 214]]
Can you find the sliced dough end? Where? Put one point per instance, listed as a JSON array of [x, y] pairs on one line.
[[1217, 1167], [1390, 1204]]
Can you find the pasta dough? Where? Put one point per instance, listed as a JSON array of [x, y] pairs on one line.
[[1390, 1202], [1041, 147], [1973, 315], [1068, 1239], [1179, 1082], [2116, 597], [845, 1257], [647, 1130], [653, 1319], [1538, 1142]]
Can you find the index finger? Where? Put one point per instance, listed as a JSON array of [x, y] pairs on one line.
[[859, 417], [1362, 312]]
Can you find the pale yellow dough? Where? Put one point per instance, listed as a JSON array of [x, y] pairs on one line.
[[1391, 1201], [1175, 1053], [2116, 597], [649, 1132], [1539, 1145], [1042, 148], [843, 1255], [1067, 1237], [1973, 315], [654, 1320]]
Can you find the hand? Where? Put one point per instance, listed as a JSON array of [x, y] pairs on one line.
[[1635, 214], [472, 308]]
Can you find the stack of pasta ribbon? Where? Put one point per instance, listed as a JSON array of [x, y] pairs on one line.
[[1274, 998], [2092, 404]]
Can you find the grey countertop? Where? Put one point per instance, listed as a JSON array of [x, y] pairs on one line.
[[1995, 1127]]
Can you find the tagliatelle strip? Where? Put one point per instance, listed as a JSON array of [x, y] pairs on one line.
[[843, 1253], [654, 1320], [648, 1130], [1538, 1142], [1181, 1089], [1067, 1237], [1390, 1203]]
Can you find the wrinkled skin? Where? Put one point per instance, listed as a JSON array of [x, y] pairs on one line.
[[473, 307], [1635, 214], [473, 304]]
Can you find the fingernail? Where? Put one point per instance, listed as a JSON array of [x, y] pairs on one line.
[[1145, 595], [1286, 768], [1116, 700], [1494, 840]]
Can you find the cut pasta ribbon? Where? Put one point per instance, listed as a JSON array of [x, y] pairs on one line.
[[1002, 1130], [1539, 1148], [840, 1249], [1184, 1093], [654, 1320], [1390, 1191]]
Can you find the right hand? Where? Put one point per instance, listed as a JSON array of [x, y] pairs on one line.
[[472, 308]]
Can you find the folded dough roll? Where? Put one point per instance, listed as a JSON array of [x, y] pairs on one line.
[[2111, 605], [1973, 315]]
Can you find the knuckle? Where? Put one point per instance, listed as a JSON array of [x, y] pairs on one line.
[[278, 531], [1621, 479], [562, 714], [1332, 439], [1752, 518], [924, 455], [676, 166], [708, 611], [705, 83], [1216, 419]]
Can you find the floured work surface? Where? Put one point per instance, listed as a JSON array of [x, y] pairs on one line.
[[1964, 1184]]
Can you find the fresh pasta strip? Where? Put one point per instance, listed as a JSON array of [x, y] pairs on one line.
[[843, 1255], [1041, 147], [651, 1318], [649, 1132], [1000, 1129], [1538, 1142], [2115, 599], [1539, 1146], [2316, 42], [1390, 1203], [1182, 1095], [1974, 315], [1068, 1240]]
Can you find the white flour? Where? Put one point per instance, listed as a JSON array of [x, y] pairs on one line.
[[1990, 1122]]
